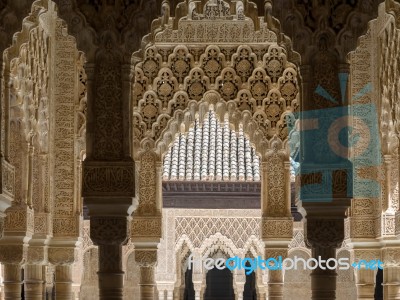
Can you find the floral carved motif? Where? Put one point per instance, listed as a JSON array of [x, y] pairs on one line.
[[146, 258], [108, 230], [266, 87], [324, 232], [147, 185], [36, 255], [62, 256], [277, 228], [13, 254], [145, 227], [239, 230]]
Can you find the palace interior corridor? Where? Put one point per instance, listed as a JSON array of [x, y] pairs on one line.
[[137, 136]]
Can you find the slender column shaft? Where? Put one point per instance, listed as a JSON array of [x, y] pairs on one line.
[[12, 282], [49, 292], [391, 283], [170, 295], [44, 280], [147, 283], [111, 276], [275, 285], [197, 295], [197, 291], [239, 291], [33, 280], [63, 282], [161, 295], [365, 282], [323, 282]]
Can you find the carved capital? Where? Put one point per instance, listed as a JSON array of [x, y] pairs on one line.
[[146, 227], [37, 255], [277, 228], [13, 254], [324, 233], [109, 230], [108, 179], [365, 254], [146, 258], [276, 252], [391, 257], [62, 255]]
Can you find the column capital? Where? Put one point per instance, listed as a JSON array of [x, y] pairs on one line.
[[276, 252], [62, 256], [13, 254], [323, 232], [37, 255], [109, 230], [146, 257], [391, 257]]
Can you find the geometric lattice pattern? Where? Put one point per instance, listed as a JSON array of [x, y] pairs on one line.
[[298, 240], [239, 230]]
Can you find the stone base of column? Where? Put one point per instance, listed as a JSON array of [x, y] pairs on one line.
[[63, 282], [323, 285], [33, 282], [111, 285], [12, 282]]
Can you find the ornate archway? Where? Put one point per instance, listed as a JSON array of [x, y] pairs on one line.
[[178, 76]]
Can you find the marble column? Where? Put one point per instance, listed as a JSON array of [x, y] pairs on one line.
[[63, 282], [197, 291], [391, 282], [240, 280], [161, 295], [33, 280], [147, 260], [170, 294], [12, 282], [197, 277], [365, 283], [108, 180], [239, 291], [275, 285], [109, 233], [324, 235]]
